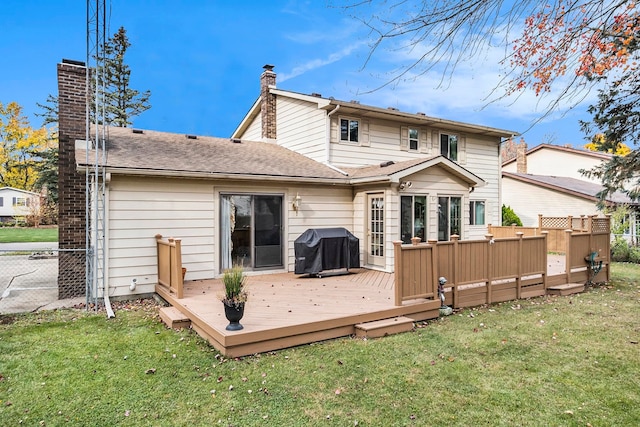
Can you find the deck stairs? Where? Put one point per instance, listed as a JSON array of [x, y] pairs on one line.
[[174, 318], [566, 289], [384, 327]]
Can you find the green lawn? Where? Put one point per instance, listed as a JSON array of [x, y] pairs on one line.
[[551, 361], [28, 234]]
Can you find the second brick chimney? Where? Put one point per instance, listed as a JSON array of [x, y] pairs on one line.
[[521, 157], [268, 103]]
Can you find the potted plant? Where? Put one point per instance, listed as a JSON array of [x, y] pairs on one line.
[[234, 297]]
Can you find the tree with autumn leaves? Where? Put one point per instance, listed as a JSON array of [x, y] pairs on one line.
[[21, 148], [573, 46]]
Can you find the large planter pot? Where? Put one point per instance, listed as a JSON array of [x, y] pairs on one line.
[[234, 313]]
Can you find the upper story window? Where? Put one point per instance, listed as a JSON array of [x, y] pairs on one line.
[[413, 139], [349, 130], [449, 146]]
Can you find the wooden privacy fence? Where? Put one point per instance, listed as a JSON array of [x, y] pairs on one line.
[[496, 269], [170, 272], [555, 228]]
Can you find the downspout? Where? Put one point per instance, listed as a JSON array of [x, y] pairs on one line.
[[327, 143]]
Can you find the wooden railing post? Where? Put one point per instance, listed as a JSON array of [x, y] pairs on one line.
[[434, 262], [520, 235], [546, 259], [567, 253], [489, 238], [540, 222], [456, 266], [398, 285]]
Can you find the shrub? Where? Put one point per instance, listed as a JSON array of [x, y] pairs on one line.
[[634, 254], [620, 250], [509, 217]]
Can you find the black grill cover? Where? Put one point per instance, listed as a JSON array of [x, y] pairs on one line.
[[319, 249]]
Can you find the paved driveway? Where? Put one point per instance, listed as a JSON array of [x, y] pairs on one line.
[[28, 276]]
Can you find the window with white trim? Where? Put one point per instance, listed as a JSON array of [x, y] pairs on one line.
[[413, 217], [19, 201], [477, 212], [349, 129], [449, 214], [449, 146], [413, 139]]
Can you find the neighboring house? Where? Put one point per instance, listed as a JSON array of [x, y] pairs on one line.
[[295, 162], [546, 180], [16, 203]]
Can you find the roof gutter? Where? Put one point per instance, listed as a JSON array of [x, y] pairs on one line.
[[327, 143], [201, 175]]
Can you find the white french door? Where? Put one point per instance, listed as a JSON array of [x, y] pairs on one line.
[[375, 230]]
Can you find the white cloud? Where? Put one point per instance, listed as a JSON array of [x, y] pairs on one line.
[[320, 62]]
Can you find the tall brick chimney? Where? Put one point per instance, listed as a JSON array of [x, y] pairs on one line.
[[268, 105], [72, 114], [521, 157]]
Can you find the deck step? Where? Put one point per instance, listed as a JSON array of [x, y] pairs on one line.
[[566, 289], [174, 318], [381, 328]]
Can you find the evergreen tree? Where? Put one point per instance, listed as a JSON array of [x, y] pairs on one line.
[[121, 102]]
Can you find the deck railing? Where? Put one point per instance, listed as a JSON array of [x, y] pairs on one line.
[[170, 272], [556, 227], [495, 269]]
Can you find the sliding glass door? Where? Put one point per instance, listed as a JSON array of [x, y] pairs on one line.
[[251, 231]]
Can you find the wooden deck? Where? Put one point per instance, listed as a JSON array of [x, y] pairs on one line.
[[285, 310]]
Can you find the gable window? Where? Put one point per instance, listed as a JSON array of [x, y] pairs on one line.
[[413, 217], [413, 139], [449, 146], [349, 130], [476, 212], [449, 214]]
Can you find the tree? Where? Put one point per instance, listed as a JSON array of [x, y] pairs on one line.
[[21, 148], [575, 45], [121, 102], [509, 217], [598, 143]]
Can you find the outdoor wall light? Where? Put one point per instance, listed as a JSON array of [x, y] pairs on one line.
[[296, 203]]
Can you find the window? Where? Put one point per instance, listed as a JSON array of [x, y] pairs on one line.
[[413, 139], [19, 201], [476, 212], [449, 213], [1, 201], [449, 146], [413, 217], [349, 130]]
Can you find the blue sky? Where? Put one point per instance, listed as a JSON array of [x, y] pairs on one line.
[[201, 60]]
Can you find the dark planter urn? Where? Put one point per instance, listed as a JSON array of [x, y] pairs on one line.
[[234, 313]]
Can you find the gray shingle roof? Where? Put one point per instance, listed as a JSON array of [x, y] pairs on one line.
[[160, 153], [571, 185]]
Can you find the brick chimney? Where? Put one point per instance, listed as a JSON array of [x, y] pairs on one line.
[[72, 102], [268, 105], [521, 157]]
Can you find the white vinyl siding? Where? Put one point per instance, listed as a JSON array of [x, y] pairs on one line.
[[301, 127], [527, 201], [140, 208], [254, 130], [553, 162]]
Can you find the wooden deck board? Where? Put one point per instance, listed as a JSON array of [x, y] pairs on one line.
[[285, 310]]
